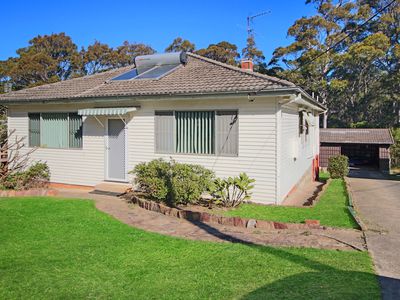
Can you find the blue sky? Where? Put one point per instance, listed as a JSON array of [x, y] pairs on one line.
[[153, 22]]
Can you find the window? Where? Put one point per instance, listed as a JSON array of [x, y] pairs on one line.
[[55, 130], [197, 132], [301, 122]]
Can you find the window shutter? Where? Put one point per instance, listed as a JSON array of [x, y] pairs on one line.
[[227, 133], [54, 130], [75, 130], [34, 130], [164, 131]]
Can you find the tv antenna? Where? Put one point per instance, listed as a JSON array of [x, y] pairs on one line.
[[250, 29]]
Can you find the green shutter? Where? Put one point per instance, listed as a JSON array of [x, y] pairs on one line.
[[54, 130], [195, 132], [75, 130], [34, 130]]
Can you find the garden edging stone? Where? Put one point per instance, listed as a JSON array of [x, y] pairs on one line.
[[211, 218]]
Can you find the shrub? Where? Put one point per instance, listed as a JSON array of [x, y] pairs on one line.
[[189, 182], [36, 176], [231, 192], [153, 177], [171, 182], [338, 166]]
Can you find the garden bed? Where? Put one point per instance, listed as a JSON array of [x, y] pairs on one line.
[[329, 210], [200, 215]]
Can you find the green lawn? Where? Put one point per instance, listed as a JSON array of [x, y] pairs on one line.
[[66, 249], [331, 210]]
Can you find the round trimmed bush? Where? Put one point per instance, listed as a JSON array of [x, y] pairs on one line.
[[338, 166]]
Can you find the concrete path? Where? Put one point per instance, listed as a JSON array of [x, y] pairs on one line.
[[377, 202], [339, 239]]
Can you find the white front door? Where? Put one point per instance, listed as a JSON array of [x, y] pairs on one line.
[[116, 145]]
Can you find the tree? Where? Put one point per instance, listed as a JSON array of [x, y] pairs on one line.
[[47, 59], [312, 37], [223, 51], [98, 58], [127, 52], [358, 78], [252, 52], [180, 44]]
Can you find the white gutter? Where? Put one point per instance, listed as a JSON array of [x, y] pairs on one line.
[[299, 100]]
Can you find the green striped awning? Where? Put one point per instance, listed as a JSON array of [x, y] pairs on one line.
[[106, 111]]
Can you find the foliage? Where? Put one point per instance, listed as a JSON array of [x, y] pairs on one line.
[[125, 54], [153, 178], [47, 59], [232, 191], [179, 44], [252, 52], [223, 51], [395, 148], [96, 58], [189, 182], [36, 176], [171, 182], [17, 172], [330, 210], [50, 234], [338, 166], [358, 79], [51, 58]]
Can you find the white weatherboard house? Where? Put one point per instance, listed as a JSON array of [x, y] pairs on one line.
[[182, 106]]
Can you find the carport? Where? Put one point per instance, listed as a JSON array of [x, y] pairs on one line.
[[364, 147]]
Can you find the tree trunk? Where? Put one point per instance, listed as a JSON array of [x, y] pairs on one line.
[[325, 122]]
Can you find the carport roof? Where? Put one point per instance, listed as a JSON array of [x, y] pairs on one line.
[[356, 136]]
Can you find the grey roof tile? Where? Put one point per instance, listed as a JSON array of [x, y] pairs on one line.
[[199, 75]]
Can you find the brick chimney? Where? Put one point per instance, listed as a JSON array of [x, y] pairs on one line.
[[247, 65]]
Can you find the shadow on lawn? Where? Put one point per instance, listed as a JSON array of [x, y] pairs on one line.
[[317, 283]]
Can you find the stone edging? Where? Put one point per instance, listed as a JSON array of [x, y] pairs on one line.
[[211, 218], [352, 206], [26, 193]]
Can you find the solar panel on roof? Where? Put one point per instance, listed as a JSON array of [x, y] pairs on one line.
[[157, 72], [127, 75]]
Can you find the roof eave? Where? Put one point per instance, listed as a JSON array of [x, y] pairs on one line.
[[269, 92]]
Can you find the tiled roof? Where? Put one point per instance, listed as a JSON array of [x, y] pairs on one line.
[[199, 76], [356, 136]]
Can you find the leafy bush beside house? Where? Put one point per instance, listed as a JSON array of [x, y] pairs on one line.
[[36, 176], [171, 182], [232, 191], [178, 183], [338, 166]]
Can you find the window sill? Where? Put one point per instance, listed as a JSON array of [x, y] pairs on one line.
[[196, 154], [51, 148]]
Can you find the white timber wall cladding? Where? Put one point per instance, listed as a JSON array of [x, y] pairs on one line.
[[257, 142], [257, 151], [297, 152], [70, 166]]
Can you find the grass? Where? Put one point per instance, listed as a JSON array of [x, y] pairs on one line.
[[66, 249], [331, 209]]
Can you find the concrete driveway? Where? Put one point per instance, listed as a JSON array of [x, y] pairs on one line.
[[377, 201]]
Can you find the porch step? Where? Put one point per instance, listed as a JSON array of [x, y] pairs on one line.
[[110, 188]]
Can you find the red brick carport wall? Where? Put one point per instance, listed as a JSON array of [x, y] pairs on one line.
[[328, 150]]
